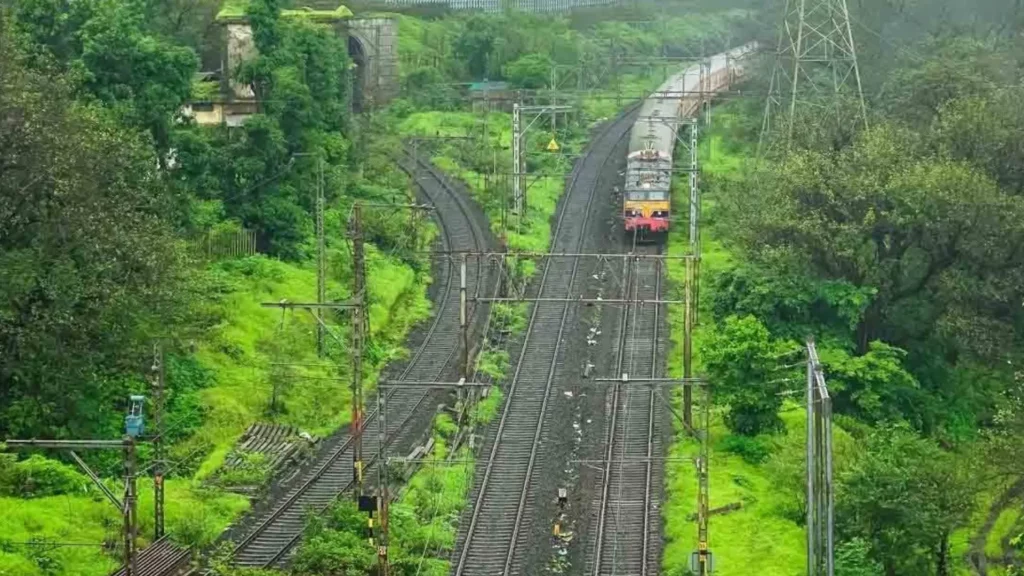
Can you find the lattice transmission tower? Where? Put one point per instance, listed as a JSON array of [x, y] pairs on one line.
[[815, 67]]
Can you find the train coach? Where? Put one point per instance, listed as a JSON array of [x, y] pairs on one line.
[[647, 209]]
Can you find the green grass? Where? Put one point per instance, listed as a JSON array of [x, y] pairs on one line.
[[240, 349], [198, 514], [1003, 528], [533, 232], [758, 535], [236, 351], [761, 534]]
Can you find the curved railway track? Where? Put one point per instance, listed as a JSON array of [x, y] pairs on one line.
[[489, 540], [628, 535], [279, 529]]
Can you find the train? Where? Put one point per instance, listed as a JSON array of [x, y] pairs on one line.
[[646, 200]]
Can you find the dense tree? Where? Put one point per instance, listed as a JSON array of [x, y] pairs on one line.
[[743, 363], [791, 302], [142, 78], [853, 558], [873, 387], [531, 71], [186, 22], [935, 240], [91, 267], [905, 496], [957, 67], [985, 129]]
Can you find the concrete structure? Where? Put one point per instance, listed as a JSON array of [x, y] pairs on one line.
[[372, 44], [232, 112]]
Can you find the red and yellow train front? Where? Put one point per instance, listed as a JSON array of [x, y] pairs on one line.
[[646, 215]]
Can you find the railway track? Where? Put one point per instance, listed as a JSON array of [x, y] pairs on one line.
[[491, 539], [280, 528], [627, 540]]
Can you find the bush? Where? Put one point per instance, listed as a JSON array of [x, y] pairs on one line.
[[38, 476], [753, 449], [253, 470], [334, 544], [494, 364], [486, 409]]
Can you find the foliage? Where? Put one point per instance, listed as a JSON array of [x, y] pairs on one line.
[[753, 449], [790, 303], [37, 476], [253, 470], [91, 266], [332, 545], [743, 362], [486, 409], [530, 71], [958, 68], [904, 496], [929, 236], [427, 89], [981, 129], [263, 176], [872, 387], [493, 364], [853, 558], [142, 78], [760, 533], [90, 518]]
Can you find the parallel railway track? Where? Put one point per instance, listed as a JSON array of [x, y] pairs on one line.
[[491, 539], [627, 539], [279, 530]]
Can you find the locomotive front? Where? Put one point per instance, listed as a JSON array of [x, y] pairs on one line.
[[646, 202]]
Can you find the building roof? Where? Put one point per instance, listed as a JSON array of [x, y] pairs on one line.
[[487, 86]]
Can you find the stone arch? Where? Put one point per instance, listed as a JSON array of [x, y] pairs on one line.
[[360, 59], [374, 41]]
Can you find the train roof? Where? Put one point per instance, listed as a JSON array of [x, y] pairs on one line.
[[655, 127]]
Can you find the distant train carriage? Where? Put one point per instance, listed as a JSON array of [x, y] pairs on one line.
[[646, 206]]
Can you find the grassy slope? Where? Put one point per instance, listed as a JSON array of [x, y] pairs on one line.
[[236, 352], [759, 536], [241, 347], [92, 520]]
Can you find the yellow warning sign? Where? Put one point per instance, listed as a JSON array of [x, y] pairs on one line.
[[553, 146]]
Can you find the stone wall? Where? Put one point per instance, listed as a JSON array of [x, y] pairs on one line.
[[376, 40]]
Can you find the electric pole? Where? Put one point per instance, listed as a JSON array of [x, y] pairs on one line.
[[321, 258], [820, 491], [705, 560], [692, 266], [464, 332], [383, 496], [126, 507], [358, 315], [159, 379], [131, 522], [518, 158], [815, 64]]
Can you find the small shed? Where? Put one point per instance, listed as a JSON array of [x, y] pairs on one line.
[[491, 96]]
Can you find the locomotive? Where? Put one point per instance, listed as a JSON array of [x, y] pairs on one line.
[[647, 206]]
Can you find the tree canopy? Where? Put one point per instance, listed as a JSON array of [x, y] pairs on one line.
[[91, 265]]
